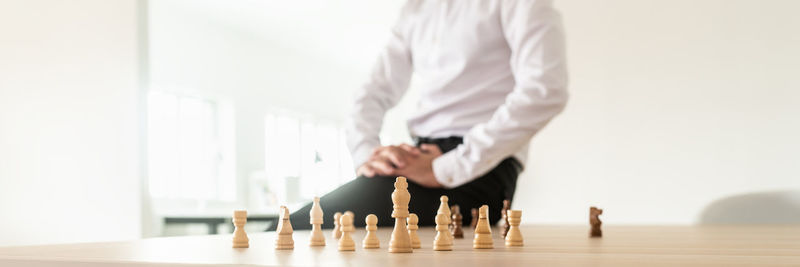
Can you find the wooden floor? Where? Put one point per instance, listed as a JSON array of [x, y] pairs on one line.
[[544, 246]]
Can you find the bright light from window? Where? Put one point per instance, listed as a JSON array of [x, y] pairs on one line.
[[189, 148], [304, 158]]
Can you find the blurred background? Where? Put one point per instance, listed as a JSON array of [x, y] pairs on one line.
[[132, 118]]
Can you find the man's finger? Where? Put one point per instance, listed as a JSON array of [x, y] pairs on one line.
[[376, 151], [369, 172], [365, 171], [396, 156], [410, 149], [381, 166]]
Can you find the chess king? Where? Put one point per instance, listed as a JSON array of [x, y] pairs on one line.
[[501, 80], [401, 240]]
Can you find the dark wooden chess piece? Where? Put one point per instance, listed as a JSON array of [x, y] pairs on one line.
[[503, 223], [455, 224], [474, 221], [594, 220]]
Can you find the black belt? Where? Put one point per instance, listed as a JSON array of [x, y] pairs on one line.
[[445, 144]]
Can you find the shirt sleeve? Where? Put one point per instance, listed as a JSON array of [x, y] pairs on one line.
[[388, 82], [535, 36]]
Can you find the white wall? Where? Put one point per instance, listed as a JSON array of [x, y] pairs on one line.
[[265, 55], [68, 121], [674, 103]]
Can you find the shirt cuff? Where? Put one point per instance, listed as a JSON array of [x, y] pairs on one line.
[[444, 169]]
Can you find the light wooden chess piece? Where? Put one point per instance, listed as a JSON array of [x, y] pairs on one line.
[[441, 242], [514, 236], [483, 233], [400, 241], [284, 240], [337, 229], [413, 220], [457, 220], [316, 215], [594, 220], [371, 239], [346, 241], [351, 213], [445, 210], [240, 239]]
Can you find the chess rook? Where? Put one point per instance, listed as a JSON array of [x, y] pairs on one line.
[[442, 241], [240, 239], [400, 241], [371, 239], [346, 242], [316, 238], [412, 221], [514, 236], [285, 231], [483, 232]]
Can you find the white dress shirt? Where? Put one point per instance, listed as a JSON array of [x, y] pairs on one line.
[[492, 71]]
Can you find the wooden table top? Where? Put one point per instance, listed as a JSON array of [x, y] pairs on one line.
[[544, 246]]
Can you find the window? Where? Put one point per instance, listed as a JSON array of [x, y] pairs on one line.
[[304, 157], [190, 148]]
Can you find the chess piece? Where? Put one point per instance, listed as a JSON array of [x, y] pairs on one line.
[[412, 230], [351, 214], [346, 242], [445, 210], [474, 221], [400, 241], [337, 229], [442, 241], [371, 239], [503, 223], [316, 215], [483, 232], [594, 220], [514, 236], [457, 220], [240, 239], [284, 240]]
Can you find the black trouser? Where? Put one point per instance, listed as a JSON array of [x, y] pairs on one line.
[[365, 196]]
